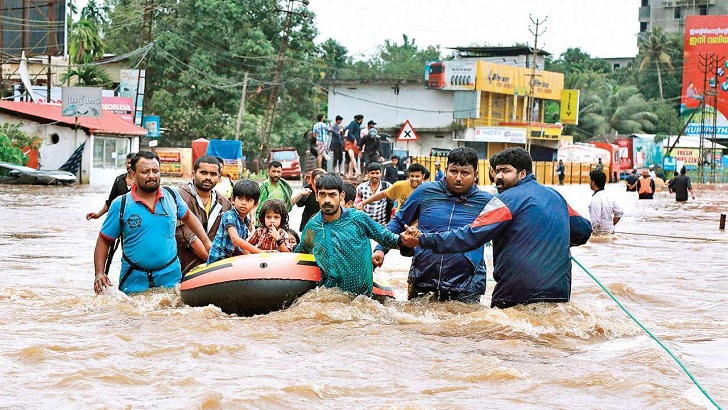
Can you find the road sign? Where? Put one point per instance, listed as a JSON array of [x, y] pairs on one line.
[[407, 133]]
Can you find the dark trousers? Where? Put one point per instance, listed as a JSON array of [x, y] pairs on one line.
[[441, 295], [338, 152]]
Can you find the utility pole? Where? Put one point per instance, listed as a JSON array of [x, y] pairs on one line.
[[146, 39], [706, 64], [533, 75], [270, 109], [241, 111]]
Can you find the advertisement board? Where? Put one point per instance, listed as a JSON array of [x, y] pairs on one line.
[[128, 81], [625, 153], [494, 134], [450, 75], [81, 101], [498, 78], [705, 37], [170, 163]]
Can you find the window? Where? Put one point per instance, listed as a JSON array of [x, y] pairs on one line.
[[703, 10], [677, 13], [643, 27], [645, 3], [110, 152]]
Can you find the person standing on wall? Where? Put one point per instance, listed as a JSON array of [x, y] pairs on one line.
[[337, 145]]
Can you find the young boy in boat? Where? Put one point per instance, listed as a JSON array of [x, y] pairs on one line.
[[273, 232], [231, 237], [339, 239]]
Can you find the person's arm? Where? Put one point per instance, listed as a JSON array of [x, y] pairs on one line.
[[184, 235], [580, 228], [618, 213], [101, 251], [199, 249], [378, 232], [690, 188], [195, 226], [283, 244], [374, 198], [99, 214], [240, 242], [300, 198], [302, 246]]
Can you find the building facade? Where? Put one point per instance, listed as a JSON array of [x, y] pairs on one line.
[[670, 14]]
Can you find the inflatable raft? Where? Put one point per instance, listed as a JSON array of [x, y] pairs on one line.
[[257, 284]]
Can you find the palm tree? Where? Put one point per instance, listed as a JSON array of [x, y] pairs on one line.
[[654, 46], [88, 76], [85, 43]]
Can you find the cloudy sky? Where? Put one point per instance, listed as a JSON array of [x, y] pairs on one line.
[[603, 28]]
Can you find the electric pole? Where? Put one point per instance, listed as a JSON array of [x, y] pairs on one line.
[[270, 110], [533, 75], [241, 111], [146, 39]]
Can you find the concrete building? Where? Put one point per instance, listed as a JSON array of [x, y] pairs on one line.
[[107, 139], [670, 14]]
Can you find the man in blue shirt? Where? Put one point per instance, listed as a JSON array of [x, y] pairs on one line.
[[145, 218]]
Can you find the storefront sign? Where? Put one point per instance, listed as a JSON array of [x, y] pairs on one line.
[[494, 134]]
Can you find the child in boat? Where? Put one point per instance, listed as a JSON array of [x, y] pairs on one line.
[[273, 232], [230, 239]]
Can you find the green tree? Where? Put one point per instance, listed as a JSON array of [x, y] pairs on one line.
[[12, 140], [654, 46]]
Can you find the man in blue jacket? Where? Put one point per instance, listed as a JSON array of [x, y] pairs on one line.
[[532, 228], [439, 207]]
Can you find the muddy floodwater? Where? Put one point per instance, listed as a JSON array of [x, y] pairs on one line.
[[64, 347]]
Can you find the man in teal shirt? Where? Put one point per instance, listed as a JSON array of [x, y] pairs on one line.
[[275, 187], [339, 239]]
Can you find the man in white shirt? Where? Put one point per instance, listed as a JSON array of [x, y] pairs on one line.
[[604, 212], [321, 131]]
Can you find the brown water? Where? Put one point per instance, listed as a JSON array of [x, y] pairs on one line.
[[62, 346]]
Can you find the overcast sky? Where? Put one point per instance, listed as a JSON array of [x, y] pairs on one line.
[[602, 28]]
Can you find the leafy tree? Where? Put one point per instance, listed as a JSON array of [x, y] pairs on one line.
[[654, 46], [333, 56], [573, 60], [12, 140]]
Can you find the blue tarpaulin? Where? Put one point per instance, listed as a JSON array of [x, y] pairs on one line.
[[225, 149]]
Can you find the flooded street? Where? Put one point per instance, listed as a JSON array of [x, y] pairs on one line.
[[63, 346]]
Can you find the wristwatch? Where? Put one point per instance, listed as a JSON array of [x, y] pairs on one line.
[[279, 241]]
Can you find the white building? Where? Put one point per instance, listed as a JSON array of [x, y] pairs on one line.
[[108, 139]]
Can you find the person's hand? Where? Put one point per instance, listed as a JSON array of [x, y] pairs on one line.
[[92, 215], [693, 196], [377, 258], [359, 206], [101, 282], [410, 237], [305, 192], [274, 232]]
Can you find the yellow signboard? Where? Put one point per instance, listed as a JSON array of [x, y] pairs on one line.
[[547, 85], [496, 78], [569, 113]]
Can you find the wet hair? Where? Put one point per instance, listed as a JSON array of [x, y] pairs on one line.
[[208, 159], [246, 189], [418, 168], [463, 156], [278, 207], [683, 170], [374, 166], [320, 117], [349, 192], [330, 180], [275, 164], [599, 178], [143, 154], [516, 157], [293, 234], [130, 155]]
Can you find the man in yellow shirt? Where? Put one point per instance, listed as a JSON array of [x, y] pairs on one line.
[[400, 190]]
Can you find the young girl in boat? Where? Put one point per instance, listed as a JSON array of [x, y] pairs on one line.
[[273, 232]]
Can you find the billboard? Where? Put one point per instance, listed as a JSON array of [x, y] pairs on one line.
[[34, 26], [450, 75], [705, 36]]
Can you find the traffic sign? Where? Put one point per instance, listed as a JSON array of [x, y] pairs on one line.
[[407, 133]]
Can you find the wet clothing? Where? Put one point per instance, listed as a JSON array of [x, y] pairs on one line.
[[285, 191], [438, 210], [602, 211], [210, 222], [532, 228], [223, 247], [150, 250], [377, 210], [680, 186], [342, 249], [630, 181], [646, 188], [310, 206], [119, 188]]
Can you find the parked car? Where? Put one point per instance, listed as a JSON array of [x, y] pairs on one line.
[[18, 174], [288, 157], [439, 152]]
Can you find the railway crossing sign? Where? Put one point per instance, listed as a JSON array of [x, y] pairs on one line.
[[407, 133]]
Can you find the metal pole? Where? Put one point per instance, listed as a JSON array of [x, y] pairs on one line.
[[241, 111]]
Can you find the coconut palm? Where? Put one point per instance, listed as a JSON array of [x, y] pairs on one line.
[[654, 45], [85, 43]]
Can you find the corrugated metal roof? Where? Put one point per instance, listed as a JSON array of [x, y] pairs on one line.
[[108, 123]]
